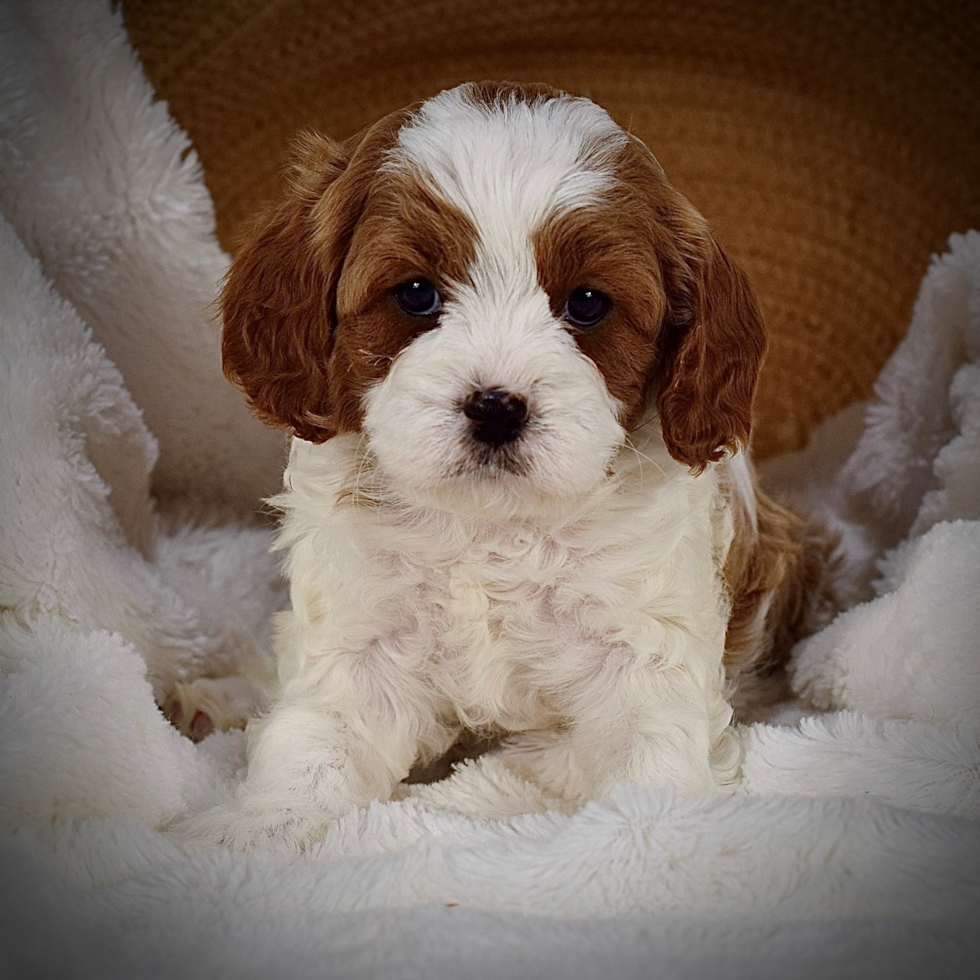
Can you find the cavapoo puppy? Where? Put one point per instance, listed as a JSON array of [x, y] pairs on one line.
[[519, 371]]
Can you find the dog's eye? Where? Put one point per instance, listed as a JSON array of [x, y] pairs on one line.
[[585, 307], [418, 297]]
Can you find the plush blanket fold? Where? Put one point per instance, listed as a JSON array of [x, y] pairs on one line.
[[852, 848]]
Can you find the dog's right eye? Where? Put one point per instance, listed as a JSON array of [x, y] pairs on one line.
[[418, 297], [585, 307]]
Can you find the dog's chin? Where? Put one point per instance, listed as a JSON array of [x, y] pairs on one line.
[[503, 483]]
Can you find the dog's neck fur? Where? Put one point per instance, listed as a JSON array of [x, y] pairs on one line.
[[337, 482]]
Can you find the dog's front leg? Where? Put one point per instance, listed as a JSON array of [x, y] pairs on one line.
[[324, 749], [627, 724], [660, 724]]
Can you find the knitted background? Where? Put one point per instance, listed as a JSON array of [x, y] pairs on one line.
[[833, 146]]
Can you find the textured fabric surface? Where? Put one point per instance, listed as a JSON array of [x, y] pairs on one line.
[[92, 170], [832, 146]]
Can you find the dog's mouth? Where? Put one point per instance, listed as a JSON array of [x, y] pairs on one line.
[[485, 461]]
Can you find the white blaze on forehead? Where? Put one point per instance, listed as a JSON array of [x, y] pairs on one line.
[[511, 164]]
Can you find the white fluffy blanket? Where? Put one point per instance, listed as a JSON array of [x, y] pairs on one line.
[[852, 849]]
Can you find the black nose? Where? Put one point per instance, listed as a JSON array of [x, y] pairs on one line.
[[497, 415]]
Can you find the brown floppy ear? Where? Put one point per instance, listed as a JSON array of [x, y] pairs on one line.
[[277, 301], [714, 345]]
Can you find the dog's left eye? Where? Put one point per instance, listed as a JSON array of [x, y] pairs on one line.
[[418, 297], [585, 307]]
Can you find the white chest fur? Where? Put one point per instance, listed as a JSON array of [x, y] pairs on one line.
[[504, 621]]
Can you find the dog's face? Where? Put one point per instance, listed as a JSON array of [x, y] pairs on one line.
[[495, 287]]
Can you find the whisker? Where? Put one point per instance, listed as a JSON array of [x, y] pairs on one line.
[[639, 455], [375, 358], [362, 464], [642, 424]]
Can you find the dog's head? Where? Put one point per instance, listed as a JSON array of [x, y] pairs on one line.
[[494, 286]]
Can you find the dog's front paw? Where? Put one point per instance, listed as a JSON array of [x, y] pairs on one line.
[[211, 704], [243, 828]]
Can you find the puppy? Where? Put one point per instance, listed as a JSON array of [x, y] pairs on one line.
[[519, 371]]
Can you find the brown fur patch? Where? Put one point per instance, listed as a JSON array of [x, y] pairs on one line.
[[276, 301], [405, 230], [779, 576], [309, 317], [608, 248], [491, 93], [684, 321]]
